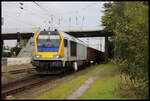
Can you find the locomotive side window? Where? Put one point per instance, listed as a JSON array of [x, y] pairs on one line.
[[65, 42], [73, 48]]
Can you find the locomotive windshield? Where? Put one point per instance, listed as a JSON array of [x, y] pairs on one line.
[[48, 41]]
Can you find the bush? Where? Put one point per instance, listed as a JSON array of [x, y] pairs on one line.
[[129, 23]]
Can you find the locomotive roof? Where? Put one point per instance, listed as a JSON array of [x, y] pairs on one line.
[[69, 37], [72, 38]]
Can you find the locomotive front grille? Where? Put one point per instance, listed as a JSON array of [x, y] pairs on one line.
[[43, 64]]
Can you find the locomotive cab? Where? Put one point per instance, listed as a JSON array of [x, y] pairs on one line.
[[48, 44], [49, 51]]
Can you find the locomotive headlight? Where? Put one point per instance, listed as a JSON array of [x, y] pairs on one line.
[[56, 56], [38, 56]]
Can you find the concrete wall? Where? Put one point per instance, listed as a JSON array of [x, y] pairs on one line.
[[4, 61], [15, 61]]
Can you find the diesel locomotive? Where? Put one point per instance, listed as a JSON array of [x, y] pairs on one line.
[[57, 52]]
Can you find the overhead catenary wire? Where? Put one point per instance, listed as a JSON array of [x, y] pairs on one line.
[[18, 20], [65, 14], [29, 11], [48, 18], [45, 10], [23, 9], [59, 20], [76, 20], [39, 15], [51, 17], [69, 21], [43, 17], [77, 11], [83, 19]]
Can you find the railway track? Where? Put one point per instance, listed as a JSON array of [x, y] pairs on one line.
[[29, 83], [19, 71], [35, 81]]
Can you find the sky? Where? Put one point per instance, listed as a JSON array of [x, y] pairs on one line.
[[61, 15]]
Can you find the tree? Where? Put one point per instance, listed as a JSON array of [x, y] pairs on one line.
[[15, 49], [129, 23]]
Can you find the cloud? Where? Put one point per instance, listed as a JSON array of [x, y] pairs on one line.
[[37, 15], [34, 16]]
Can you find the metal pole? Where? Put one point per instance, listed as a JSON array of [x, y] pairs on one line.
[[52, 21], [83, 21], [106, 48], [2, 21], [18, 38], [49, 25], [76, 20], [2, 43], [70, 23]]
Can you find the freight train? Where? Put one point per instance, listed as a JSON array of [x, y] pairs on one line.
[[57, 52]]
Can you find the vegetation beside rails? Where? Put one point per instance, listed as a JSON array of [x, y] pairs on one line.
[[109, 84], [28, 71], [130, 43], [105, 85], [7, 75], [67, 88]]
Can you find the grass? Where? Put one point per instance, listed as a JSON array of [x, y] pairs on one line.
[[8, 75], [66, 88], [28, 71], [104, 85]]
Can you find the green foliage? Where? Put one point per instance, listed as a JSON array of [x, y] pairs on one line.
[[15, 49], [104, 85], [28, 71], [110, 49], [10, 51], [6, 54], [8, 75], [129, 23], [70, 86]]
